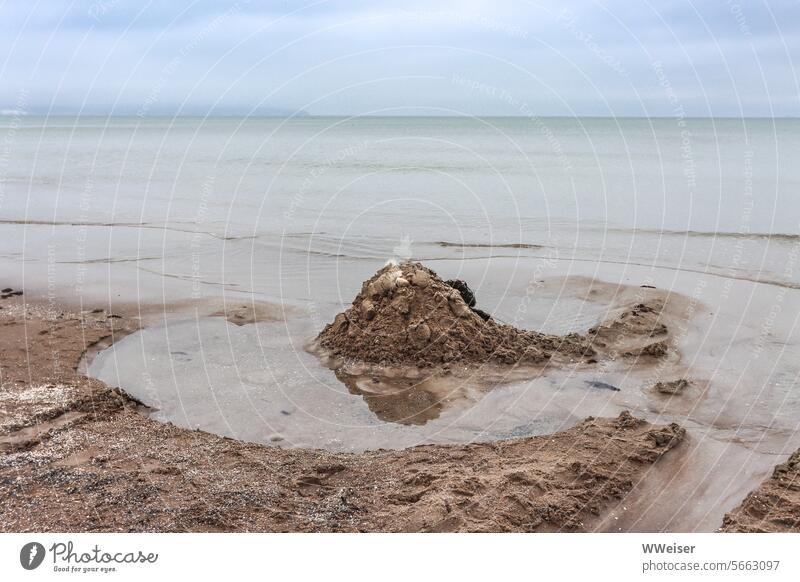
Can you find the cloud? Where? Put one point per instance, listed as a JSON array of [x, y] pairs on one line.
[[361, 57]]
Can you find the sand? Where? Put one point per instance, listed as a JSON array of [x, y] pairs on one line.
[[409, 336], [80, 456], [406, 315], [774, 506]]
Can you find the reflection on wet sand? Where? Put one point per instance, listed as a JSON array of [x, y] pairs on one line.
[[394, 400]]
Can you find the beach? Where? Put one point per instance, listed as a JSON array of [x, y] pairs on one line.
[[80, 456], [161, 363], [399, 269]]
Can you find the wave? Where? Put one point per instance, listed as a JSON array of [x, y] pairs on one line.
[[149, 225], [780, 236], [442, 243], [174, 226]]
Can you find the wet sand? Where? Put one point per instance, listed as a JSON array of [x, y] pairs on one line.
[[80, 456], [740, 420], [774, 506], [738, 404]]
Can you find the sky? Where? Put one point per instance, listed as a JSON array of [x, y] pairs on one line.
[[349, 57]]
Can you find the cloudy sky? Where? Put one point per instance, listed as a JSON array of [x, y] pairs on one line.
[[380, 57]]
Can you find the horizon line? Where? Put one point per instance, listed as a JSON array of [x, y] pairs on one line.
[[10, 113]]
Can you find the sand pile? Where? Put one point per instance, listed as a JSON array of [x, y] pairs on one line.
[[406, 314]]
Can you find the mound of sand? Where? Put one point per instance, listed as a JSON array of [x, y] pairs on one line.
[[406, 314]]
